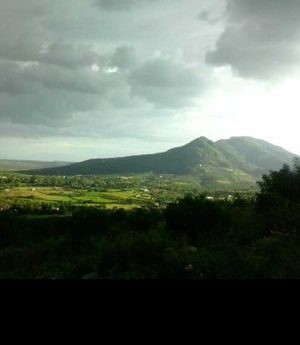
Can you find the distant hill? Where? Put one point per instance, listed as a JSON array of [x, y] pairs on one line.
[[14, 165], [225, 161], [255, 156]]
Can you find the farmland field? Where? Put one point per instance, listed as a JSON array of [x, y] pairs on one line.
[[55, 196], [61, 194]]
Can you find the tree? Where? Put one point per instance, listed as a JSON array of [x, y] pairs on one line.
[[284, 183], [279, 199], [197, 218]]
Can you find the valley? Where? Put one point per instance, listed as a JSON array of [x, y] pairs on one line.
[[57, 195]]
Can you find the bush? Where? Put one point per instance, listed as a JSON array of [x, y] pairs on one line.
[[89, 221], [197, 218], [143, 220], [139, 256]]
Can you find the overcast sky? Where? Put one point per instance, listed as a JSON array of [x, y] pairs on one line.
[[82, 79]]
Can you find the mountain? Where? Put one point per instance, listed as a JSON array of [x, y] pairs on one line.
[[14, 165], [224, 161], [254, 155]]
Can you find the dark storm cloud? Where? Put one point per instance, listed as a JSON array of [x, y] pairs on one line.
[[261, 39]]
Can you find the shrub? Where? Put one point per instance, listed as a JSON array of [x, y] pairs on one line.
[[139, 256], [197, 218]]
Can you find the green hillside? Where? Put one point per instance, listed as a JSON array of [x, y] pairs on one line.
[[239, 159], [255, 156]]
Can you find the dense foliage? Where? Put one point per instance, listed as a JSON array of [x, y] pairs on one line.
[[279, 199]]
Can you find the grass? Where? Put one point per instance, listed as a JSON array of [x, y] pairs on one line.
[[52, 195]]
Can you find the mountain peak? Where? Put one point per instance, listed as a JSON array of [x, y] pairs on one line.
[[245, 156], [200, 140]]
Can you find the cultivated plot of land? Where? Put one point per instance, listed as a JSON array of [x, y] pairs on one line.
[[64, 193]]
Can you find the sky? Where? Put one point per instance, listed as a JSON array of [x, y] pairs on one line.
[[83, 79]]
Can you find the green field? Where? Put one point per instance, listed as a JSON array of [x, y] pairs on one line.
[[63, 194], [55, 195]]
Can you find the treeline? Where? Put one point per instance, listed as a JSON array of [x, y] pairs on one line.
[[100, 183], [193, 238]]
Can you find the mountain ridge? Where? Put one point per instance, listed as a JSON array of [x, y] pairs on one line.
[[238, 158], [18, 164]]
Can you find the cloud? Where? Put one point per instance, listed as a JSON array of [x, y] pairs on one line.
[[49, 75], [121, 5], [165, 83], [49, 51], [70, 55], [124, 57], [209, 16], [49, 94], [46, 93], [261, 39], [204, 15], [91, 69]]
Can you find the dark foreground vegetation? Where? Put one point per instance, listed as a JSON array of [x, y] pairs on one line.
[[193, 238]]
